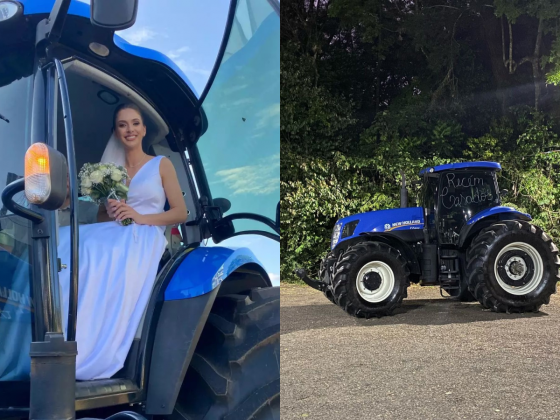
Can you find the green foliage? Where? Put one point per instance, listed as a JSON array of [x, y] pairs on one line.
[[373, 88], [363, 14], [327, 191], [312, 120], [513, 9]]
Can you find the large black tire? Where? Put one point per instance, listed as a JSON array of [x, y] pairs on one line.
[[345, 289], [494, 284], [325, 273], [235, 370]]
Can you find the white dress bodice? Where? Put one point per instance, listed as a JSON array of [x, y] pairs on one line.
[[146, 194]]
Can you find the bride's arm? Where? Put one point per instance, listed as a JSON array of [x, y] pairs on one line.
[[177, 212]]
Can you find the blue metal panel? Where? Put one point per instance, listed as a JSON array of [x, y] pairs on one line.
[[36, 7], [384, 221], [204, 269], [463, 165], [77, 8], [500, 210], [149, 54]]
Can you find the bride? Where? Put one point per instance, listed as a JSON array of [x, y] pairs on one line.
[[118, 264]]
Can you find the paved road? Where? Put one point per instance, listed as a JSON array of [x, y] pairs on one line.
[[434, 359]]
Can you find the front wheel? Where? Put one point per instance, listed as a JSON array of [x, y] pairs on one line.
[[325, 273], [513, 267], [371, 279], [235, 370]]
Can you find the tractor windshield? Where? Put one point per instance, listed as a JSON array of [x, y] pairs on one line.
[[16, 306], [241, 149], [461, 196]]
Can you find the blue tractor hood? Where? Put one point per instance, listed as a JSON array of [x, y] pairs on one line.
[[382, 221]]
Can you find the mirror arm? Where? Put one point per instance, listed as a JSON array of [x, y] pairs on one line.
[[50, 29], [252, 216], [7, 195], [258, 232]]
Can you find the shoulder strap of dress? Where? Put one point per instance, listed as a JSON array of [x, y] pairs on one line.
[[158, 158]]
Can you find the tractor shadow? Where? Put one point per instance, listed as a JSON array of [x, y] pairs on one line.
[[321, 315]]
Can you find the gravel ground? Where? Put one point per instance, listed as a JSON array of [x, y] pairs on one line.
[[434, 359]]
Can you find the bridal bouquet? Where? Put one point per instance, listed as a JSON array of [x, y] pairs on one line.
[[102, 181]]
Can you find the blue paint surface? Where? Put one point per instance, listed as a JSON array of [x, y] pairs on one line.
[[204, 269], [499, 210], [77, 8], [463, 165], [383, 221]]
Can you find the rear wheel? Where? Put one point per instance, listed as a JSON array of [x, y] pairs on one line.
[[235, 370], [513, 267], [371, 279]]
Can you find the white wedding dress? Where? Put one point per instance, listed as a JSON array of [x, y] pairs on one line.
[[118, 266]]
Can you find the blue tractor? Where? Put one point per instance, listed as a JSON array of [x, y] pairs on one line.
[[461, 239], [208, 344]]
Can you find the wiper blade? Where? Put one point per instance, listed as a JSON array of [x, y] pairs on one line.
[[4, 118]]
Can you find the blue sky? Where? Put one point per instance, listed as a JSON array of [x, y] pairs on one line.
[[190, 33]]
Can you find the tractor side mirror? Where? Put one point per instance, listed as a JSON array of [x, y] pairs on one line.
[[504, 193], [223, 203], [114, 15]]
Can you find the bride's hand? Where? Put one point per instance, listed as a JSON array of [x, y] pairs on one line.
[[124, 211], [111, 207]]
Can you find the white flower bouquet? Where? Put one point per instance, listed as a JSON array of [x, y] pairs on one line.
[[102, 181]]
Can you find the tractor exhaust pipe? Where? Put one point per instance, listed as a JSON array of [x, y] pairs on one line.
[[404, 192]]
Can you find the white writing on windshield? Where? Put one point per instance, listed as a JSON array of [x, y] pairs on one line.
[[466, 190]]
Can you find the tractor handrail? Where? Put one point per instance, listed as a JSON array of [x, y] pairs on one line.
[[74, 232]]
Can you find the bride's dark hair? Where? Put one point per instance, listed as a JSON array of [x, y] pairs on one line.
[[126, 106]]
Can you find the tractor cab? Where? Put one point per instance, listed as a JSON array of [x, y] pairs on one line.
[[454, 195]]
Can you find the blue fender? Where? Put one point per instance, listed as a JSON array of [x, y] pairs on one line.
[[503, 213], [205, 268], [494, 213]]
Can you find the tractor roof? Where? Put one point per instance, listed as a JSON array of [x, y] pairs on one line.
[[463, 165], [82, 9]]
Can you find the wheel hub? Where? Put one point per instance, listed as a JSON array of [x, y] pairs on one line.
[[372, 281], [375, 281], [516, 268]]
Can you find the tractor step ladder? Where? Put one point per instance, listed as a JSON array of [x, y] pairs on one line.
[[449, 273]]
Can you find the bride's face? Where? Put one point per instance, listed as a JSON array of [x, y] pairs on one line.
[[130, 128]]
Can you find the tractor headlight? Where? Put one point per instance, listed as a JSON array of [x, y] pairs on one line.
[[45, 176], [336, 233]]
